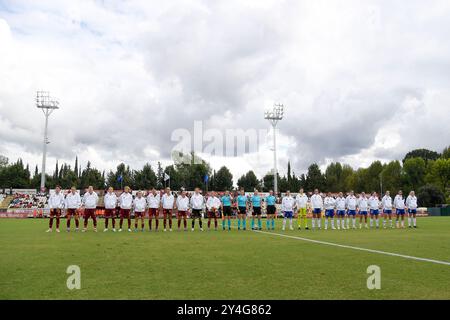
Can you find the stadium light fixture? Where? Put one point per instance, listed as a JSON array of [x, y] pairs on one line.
[[47, 105], [274, 116]]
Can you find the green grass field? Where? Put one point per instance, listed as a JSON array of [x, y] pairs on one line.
[[222, 265]]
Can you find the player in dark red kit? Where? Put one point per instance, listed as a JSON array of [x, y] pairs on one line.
[[110, 201], [139, 207], [56, 203], [73, 204], [153, 203], [125, 202], [90, 201], [183, 207], [168, 204]]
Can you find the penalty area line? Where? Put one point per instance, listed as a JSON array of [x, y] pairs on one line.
[[355, 248]]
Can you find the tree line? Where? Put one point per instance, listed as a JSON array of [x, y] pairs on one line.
[[425, 171]]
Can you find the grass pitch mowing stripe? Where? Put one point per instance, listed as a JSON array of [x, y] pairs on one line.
[[221, 265], [354, 248]]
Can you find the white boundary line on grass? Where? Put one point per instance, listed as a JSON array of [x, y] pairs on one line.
[[354, 248]]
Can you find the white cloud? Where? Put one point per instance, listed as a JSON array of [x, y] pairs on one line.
[[360, 80]]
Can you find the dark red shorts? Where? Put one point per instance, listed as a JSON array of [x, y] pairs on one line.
[[89, 213], [167, 213], [110, 213], [124, 213], [71, 212], [182, 213], [212, 214], [139, 214], [153, 212], [55, 212]]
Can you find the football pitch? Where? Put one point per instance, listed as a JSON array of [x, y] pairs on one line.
[[224, 265]]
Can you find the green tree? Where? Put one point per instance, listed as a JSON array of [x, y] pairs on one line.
[[392, 177], [414, 170], [267, 181], [121, 171], [92, 177], [425, 154], [346, 178], [333, 177], [223, 179], [249, 182], [314, 178], [15, 175], [159, 176], [3, 161], [439, 174], [430, 196], [446, 153], [75, 169], [145, 178]]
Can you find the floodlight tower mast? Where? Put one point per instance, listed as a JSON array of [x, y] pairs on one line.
[[47, 105], [274, 116]]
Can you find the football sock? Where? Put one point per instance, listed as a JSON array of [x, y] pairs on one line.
[[223, 223], [253, 223], [326, 224], [259, 224], [377, 223], [229, 224], [50, 224], [284, 223], [354, 222], [68, 223], [239, 223], [290, 223], [409, 221], [267, 224], [390, 222], [319, 221], [273, 223], [215, 223], [332, 223], [313, 222], [245, 223], [415, 222], [77, 223]]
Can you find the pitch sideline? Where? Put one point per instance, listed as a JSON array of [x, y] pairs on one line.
[[355, 248]]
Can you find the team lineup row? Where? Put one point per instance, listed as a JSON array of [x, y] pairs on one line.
[[340, 209]]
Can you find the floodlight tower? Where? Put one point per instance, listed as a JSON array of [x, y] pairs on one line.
[[47, 105], [274, 116]]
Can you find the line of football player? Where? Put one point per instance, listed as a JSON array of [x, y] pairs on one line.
[[337, 212]]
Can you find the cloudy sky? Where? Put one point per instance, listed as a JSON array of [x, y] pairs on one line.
[[361, 80]]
